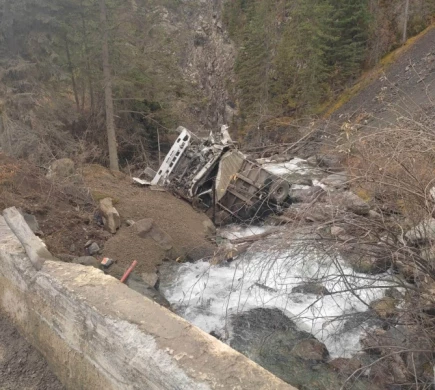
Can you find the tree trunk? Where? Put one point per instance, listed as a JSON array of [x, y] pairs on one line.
[[405, 24], [88, 64], [71, 69], [110, 120], [7, 23]]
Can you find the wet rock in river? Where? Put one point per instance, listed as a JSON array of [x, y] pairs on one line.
[[350, 202], [423, 232], [345, 366], [336, 180], [308, 195], [311, 350], [385, 307], [367, 258], [272, 340], [311, 288]]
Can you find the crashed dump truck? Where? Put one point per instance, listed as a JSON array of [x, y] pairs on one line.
[[215, 176]]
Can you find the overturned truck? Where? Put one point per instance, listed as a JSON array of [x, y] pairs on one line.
[[215, 176]]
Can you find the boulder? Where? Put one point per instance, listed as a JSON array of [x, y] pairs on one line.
[[143, 227], [147, 228], [344, 366], [61, 169], [423, 232], [311, 212], [310, 349], [209, 228], [311, 288], [138, 284], [337, 231], [66, 258], [367, 258], [129, 222], [324, 161], [336, 180], [267, 336], [312, 160], [408, 270], [111, 218], [385, 307], [350, 202], [308, 195], [415, 349], [151, 278], [89, 261], [93, 249], [375, 215]]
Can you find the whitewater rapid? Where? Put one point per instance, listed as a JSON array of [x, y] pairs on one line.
[[206, 295]]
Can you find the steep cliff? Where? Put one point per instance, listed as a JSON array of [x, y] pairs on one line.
[[208, 61]]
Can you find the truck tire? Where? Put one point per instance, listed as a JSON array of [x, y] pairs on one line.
[[279, 191]]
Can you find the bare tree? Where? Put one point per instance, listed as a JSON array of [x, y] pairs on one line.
[[405, 25], [71, 70], [110, 120]]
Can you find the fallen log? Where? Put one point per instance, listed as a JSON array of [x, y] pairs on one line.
[[254, 238], [33, 245]]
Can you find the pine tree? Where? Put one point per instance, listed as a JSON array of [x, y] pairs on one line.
[[350, 21], [302, 68], [253, 65]]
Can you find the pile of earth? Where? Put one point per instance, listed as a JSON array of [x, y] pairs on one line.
[[187, 227], [65, 209]]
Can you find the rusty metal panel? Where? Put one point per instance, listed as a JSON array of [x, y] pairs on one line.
[[229, 166]]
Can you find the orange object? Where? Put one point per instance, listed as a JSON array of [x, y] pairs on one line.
[[128, 272]]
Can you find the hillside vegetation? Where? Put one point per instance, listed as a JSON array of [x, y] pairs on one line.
[[51, 75], [295, 56], [191, 63]]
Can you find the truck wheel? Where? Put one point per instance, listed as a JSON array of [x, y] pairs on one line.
[[279, 191]]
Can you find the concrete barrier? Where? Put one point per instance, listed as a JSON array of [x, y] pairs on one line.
[[96, 333]]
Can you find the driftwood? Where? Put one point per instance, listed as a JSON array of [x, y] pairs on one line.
[[254, 238], [33, 246]]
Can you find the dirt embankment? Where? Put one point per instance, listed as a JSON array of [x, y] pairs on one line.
[[174, 216], [66, 210]]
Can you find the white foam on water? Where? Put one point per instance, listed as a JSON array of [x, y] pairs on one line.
[[233, 232], [296, 165], [206, 295]]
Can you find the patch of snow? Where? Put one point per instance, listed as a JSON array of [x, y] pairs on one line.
[[296, 165], [300, 187], [233, 232]]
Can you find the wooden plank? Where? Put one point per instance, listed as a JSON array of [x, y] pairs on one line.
[[33, 246]]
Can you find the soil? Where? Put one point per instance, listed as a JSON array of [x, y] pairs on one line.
[[174, 216], [22, 367], [64, 210], [66, 214]]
